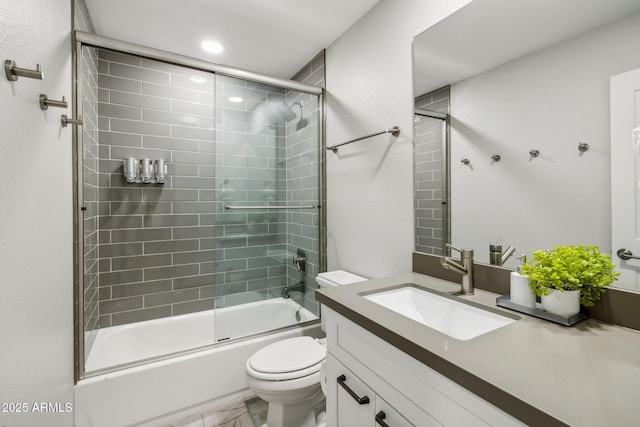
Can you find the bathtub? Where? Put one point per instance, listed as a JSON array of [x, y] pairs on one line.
[[136, 394]]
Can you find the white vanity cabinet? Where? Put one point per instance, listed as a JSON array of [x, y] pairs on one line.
[[355, 404], [372, 383]]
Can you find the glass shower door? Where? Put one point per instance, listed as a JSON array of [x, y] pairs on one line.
[[147, 200], [266, 207], [197, 192]]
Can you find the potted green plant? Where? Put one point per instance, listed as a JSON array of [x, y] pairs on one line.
[[579, 274]]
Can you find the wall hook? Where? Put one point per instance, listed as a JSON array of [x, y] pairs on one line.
[[45, 102], [583, 147], [496, 157], [465, 161], [534, 152], [13, 72], [67, 121]]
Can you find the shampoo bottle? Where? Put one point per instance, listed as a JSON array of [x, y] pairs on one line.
[[521, 293]]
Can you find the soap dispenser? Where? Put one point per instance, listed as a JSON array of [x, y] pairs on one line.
[[521, 293]]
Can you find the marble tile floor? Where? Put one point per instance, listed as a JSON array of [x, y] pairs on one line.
[[240, 413], [257, 410]]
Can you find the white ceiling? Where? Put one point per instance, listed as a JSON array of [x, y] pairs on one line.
[[272, 37], [488, 33]]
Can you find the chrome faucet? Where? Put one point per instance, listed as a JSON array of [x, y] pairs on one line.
[[496, 256], [464, 267]]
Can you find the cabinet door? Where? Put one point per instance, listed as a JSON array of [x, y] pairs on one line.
[[350, 402], [386, 416]]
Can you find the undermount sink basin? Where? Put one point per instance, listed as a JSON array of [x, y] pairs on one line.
[[456, 319]]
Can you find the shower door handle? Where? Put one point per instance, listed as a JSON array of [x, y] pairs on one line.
[[361, 400]]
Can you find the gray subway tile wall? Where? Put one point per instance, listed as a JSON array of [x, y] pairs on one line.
[[91, 193], [154, 244], [90, 182], [429, 172], [90, 264], [140, 231], [303, 182]]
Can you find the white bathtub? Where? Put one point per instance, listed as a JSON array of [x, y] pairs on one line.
[[124, 344], [141, 393]]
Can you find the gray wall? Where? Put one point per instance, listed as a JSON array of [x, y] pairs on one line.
[[370, 87], [429, 172]]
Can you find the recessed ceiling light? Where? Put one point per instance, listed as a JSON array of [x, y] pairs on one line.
[[198, 79], [235, 99], [211, 46]]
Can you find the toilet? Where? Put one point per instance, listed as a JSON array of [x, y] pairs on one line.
[[286, 374]]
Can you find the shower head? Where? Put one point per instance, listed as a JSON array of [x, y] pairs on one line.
[[302, 123], [285, 111]]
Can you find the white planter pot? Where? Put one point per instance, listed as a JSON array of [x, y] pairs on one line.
[[562, 303]]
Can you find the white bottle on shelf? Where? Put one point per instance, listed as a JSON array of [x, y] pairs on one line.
[[520, 292]]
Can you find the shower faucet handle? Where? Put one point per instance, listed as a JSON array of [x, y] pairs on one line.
[[299, 262]]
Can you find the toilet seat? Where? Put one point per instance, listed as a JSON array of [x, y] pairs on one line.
[[287, 359]]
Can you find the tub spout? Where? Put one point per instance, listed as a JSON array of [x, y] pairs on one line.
[[295, 288]]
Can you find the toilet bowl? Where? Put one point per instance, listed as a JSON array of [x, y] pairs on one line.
[[286, 374]]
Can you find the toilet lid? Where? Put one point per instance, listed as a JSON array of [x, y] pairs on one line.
[[289, 355]]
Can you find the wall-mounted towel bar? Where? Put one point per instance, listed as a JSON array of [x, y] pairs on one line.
[[395, 131], [272, 207], [12, 71]]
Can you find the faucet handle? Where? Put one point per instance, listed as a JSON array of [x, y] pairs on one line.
[[464, 253], [450, 246]]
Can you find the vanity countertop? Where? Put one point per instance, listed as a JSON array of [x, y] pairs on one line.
[[538, 371]]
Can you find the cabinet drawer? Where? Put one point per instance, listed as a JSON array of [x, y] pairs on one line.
[[387, 416]]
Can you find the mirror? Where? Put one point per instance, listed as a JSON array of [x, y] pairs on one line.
[[528, 81]]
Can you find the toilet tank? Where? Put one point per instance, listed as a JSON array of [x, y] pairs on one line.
[[335, 278]]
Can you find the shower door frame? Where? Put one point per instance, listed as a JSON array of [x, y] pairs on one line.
[[81, 39]]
